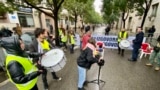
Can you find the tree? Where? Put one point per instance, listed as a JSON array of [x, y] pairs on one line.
[[6, 8], [74, 7], [115, 7], [78, 8], [43, 6], [110, 11], [142, 6]]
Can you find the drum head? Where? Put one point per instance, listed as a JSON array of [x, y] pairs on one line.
[[124, 44], [52, 57]]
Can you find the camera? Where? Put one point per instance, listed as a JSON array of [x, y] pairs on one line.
[[101, 62]]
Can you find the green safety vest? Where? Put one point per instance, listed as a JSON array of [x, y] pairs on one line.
[[72, 39], [45, 45], [28, 68], [120, 36]]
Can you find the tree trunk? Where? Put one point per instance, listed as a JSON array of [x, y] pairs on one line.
[[123, 20], [75, 21], [56, 29], [144, 17]]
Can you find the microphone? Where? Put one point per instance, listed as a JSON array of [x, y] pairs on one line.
[[101, 62]]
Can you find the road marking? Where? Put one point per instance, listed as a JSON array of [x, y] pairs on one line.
[[4, 82]]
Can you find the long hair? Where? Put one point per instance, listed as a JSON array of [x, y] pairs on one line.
[[63, 31], [92, 41]]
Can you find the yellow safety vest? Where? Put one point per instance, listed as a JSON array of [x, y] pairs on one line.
[[64, 38], [45, 45], [28, 68], [120, 36], [72, 39], [60, 32]]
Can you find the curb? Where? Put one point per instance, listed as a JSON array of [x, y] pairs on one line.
[[4, 82]]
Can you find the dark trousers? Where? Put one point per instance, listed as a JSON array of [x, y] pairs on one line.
[[34, 88], [64, 44], [120, 50], [44, 75], [135, 53], [72, 48]]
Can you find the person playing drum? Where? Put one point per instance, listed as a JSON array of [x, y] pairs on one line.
[[41, 45], [122, 35]]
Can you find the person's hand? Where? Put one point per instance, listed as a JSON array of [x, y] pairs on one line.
[[100, 58], [40, 71]]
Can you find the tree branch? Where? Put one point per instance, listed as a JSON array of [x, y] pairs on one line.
[[50, 4], [127, 14], [60, 4], [37, 8]]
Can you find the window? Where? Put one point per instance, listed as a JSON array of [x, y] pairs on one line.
[[154, 9], [48, 22], [26, 20]]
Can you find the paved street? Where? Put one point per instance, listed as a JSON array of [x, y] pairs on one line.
[[118, 73]]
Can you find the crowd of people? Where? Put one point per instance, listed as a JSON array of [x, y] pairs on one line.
[[24, 72]]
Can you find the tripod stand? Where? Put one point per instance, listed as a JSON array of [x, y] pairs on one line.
[[98, 80]]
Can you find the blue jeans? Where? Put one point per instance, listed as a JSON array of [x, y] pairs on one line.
[[135, 53], [81, 76]]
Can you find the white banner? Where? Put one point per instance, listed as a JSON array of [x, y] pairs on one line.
[[111, 40], [13, 18]]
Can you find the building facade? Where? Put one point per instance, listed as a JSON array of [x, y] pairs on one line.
[[133, 21]]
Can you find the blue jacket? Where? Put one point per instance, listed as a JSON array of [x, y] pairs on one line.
[[138, 40]]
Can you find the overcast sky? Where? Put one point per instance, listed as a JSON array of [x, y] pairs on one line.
[[97, 5]]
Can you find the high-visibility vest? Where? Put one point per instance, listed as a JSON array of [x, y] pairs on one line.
[[72, 39], [120, 36], [45, 45], [60, 31], [28, 68], [64, 38]]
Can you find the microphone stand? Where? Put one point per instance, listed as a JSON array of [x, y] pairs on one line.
[[98, 80]]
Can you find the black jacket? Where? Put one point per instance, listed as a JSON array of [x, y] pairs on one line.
[[86, 58], [138, 40], [16, 72], [34, 48], [15, 69]]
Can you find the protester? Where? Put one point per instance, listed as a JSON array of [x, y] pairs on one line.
[[81, 33], [41, 45], [20, 69], [88, 56], [151, 31], [122, 35], [154, 57], [71, 41], [107, 30], [64, 39], [86, 37], [137, 42], [18, 30]]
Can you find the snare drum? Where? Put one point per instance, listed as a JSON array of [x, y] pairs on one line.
[[54, 60], [124, 44]]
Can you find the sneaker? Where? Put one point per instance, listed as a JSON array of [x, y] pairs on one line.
[[81, 89], [148, 64], [157, 68], [58, 78]]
